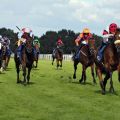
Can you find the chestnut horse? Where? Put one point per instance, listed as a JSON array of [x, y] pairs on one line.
[[111, 62], [87, 55]]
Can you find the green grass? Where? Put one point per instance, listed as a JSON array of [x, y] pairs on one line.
[[53, 95]]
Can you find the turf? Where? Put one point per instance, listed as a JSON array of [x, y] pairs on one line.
[[54, 95]]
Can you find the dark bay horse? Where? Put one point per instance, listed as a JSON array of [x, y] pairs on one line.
[[59, 57], [37, 52], [111, 62], [27, 57], [87, 60], [3, 57]]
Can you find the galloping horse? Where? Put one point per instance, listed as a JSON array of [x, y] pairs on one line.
[[37, 52], [86, 59], [4, 51], [111, 62], [27, 57], [58, 56]]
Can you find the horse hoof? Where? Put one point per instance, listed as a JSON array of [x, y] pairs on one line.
[[103, 92], [80, 81], [74, 76], [111, 90], [94, 82], [18, 82]]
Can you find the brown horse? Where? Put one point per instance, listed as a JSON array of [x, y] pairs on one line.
[[26, 62], [111, 62], [87, 60], [37, 52], [4, 57], [59, 57]]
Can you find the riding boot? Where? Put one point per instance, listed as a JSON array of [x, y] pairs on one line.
[[54, 52], [100, 51], [19, 50], [77, 55]]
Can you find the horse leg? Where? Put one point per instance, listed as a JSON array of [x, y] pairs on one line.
[[24, 74], [93, 75], [37, 63], [99, 73], [119, 73], [105, 79], [61, 63], [18, 71], [75, 68], [28, 76], [82, 77], [83, 74], [111, 84], [57, 61], [53, 60]]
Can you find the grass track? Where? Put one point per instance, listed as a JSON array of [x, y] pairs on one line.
[[53, 95]]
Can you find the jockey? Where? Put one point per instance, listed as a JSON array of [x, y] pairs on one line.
[[82, 40], [108, 37], [59, 45], [6, 42], [36, 42], [24, 35]]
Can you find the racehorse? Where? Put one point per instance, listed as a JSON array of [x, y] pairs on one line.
[[111, 62], [87, 56], [27, 59], [3, 57], [59, 57], [37, 52]]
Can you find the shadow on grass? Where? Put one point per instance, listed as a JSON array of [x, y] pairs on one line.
[[2, 73], [87, 83], [107, 93], [58, 69], [25, 84], [35, 69]]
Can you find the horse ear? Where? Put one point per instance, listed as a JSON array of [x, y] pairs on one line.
[[118, 29]]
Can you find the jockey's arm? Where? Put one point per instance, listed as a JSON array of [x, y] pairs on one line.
[[77, 41]]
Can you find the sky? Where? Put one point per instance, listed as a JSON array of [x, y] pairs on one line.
[[45, 15]]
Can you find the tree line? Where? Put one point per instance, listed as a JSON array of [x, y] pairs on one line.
[[49, 39]]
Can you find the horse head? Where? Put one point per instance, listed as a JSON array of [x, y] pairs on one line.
[[29, 47], [117, 40], [91, 44], [37, 48]]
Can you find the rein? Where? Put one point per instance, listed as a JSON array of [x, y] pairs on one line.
[[83, 53]]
